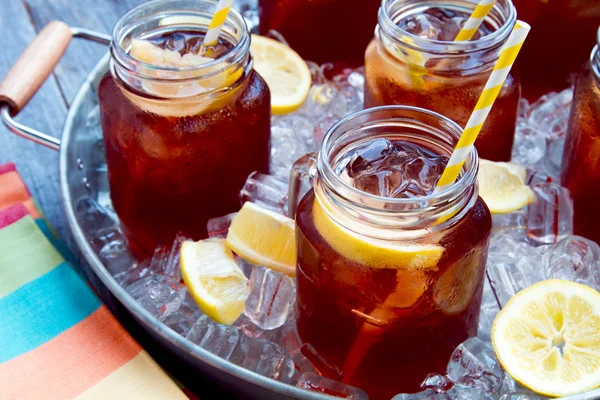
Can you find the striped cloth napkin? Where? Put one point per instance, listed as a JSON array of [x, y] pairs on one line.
[[57, 340]]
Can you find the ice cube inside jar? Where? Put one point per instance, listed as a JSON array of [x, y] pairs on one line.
[[171, 58]]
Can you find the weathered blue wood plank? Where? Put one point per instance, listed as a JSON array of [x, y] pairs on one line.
[[37, 165], [82, 55]]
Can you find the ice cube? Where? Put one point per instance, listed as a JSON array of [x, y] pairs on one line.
[[323, 100], [272, 295], [219, 339], [571, 258], [396, 170], [160, 295], [511, 266], [535, 177], [551, 216], [218, 227], [553, 159], [356, 79], [353, 97], [425, 25], [473, 364], [246, 266], [263, 357], [291, 137], [489, 310], [551, 113], [140, 271], [165, 259], [317, 383], [519, 396], [594, 280], [111, 247], [91, 216], [461, 392], [179, 322], [189, 308], [249, 10], [248, 328], [437, 383], [425, 395], [266, 191], [288, 338], [529, 146], [513, 224]]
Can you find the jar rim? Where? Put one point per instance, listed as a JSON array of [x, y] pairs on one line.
[[496, 38], [346, 191], [193, 12]]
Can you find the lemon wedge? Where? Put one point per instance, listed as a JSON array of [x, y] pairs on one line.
[[547, 337], [264, 237], [285, 72], [502, 186], [214, 280], [374, 253]]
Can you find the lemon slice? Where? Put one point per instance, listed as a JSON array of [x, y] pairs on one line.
[[264, 237], [374, 253], [502, 186], [547, 337], [214, 279], [285, 72], [453, 292]]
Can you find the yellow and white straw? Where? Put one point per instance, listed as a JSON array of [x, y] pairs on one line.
[[216, 24], [508, 55], [475, 20]]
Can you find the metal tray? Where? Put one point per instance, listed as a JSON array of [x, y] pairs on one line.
[[82, 174]]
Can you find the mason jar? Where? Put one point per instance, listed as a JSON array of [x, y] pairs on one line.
[[581, 159], [387, 287], [443, 75], [180, 139]]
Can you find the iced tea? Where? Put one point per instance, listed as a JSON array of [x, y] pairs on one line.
[[581, 162], [323, 31], [568, 25], [385, 289], [181, 141], [414, 61]]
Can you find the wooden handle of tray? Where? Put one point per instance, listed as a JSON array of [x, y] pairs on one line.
[[35, 65]]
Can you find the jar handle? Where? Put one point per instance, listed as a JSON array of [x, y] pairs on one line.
[[302, 174]]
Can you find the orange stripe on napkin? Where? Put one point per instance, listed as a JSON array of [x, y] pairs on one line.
[[31, 208], [13, 190], [72, 362]]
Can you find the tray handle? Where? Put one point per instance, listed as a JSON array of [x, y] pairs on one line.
[[30, 71], [34, 65]]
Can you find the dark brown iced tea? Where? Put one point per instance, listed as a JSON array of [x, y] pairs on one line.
[[181, 141]]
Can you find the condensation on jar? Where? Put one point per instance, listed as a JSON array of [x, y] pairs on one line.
[[180, 138], [427, 69], [581, 159]]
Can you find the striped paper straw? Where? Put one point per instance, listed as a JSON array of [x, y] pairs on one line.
[[508, 54], [475, 20], [216, 24]]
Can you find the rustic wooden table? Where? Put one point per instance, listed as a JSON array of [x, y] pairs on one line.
[[20, 21]]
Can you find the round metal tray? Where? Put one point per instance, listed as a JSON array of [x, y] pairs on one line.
[[82, 176], [82, 173]]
